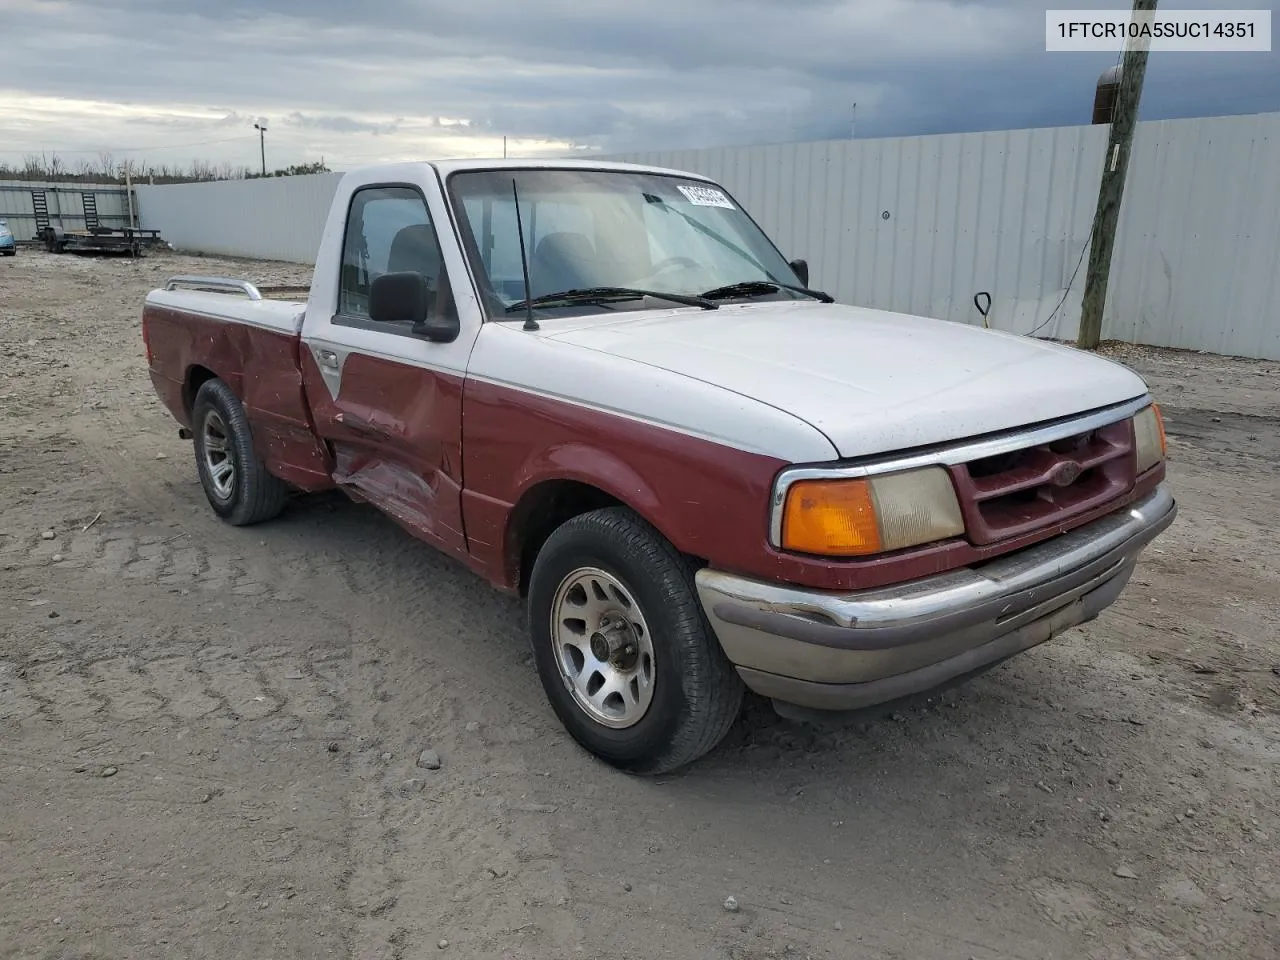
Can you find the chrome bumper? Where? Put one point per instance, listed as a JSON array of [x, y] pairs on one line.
[[840, 651]]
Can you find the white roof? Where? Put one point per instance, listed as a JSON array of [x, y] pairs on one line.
[[446, 167]]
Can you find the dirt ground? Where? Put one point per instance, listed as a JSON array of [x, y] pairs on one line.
[[208, 735]]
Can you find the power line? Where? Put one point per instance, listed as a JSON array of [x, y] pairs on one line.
[[1065, 293], [1074, 273]]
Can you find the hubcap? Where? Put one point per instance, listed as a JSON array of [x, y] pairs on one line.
[[217, 455], [603, 647]]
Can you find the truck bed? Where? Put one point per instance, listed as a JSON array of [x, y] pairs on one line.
[[199, 327]]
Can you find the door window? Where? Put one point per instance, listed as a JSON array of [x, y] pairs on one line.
[[389, 230]]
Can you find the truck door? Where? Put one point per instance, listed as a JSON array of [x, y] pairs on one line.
[[388, 401]]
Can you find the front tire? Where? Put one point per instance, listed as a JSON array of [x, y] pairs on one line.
[[624, 652], [235, 480]]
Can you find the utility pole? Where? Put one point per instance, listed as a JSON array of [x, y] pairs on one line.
[[127, 170], [261, 127], [853, 122], [1111, 188]]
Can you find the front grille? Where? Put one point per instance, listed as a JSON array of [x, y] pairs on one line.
[[1036, 487]]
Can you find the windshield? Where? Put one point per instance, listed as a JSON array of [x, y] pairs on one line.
[[588, 230]]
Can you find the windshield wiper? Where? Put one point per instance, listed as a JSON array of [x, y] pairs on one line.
[[604, 294], [750, 288]]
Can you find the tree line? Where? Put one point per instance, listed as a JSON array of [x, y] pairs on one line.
[[107, 169]]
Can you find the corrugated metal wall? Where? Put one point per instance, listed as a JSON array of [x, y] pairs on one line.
[[920, 224], [1009, 212], [274, 218], [66, 205], [1197, 248]]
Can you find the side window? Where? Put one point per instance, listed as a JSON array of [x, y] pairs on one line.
[[389, 230]]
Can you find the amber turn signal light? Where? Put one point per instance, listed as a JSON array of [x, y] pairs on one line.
[[1149, 438], [832, 517], [847, 517]]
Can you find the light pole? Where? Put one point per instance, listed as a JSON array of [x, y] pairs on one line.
[[261, 127]]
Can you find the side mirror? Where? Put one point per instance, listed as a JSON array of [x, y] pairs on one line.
[[801, 269], [399, 298], [404, 298]]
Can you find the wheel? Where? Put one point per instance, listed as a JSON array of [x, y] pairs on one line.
[[626, 657], [238, 486]]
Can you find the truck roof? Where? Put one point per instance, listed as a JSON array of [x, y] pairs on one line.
[[446, 167]]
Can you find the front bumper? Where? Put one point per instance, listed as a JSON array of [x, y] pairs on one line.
[[844, 651]]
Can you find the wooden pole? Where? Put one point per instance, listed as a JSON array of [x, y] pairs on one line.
[[128, 192], [1111, 188]]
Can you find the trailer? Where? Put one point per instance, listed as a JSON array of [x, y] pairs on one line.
[[67, 219], [128, 241]]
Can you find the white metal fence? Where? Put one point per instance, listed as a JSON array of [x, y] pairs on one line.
[[1197, 248], [921, 224], [273, 218]]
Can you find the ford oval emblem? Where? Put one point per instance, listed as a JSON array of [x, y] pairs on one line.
[[1064, 474]]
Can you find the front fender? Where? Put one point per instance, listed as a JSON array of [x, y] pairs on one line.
[[596, 467]]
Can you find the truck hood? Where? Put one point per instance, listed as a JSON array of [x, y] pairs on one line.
[[873, 382]]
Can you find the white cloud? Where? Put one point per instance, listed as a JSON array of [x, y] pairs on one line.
[[174, 80]]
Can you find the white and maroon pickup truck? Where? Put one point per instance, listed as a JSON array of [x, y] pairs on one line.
[[602, 387]]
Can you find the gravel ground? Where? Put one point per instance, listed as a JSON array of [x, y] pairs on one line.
[[209, 737]]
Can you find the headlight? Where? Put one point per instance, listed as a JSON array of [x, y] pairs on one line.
[[856, 517], [1148, 433]]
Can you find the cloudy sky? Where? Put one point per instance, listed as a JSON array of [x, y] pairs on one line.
[[170, 81]]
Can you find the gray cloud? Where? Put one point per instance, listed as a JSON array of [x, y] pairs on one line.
[[401, 78], [340, 124]]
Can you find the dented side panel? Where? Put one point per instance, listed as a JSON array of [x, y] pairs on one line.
[[259, 365], [396, 433]]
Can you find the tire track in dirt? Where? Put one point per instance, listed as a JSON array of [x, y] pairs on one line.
[[949, 832], [423, 862]]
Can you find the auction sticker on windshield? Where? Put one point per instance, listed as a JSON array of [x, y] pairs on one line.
[[705, 196]]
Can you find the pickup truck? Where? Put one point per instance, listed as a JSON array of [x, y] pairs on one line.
[[604, 389]]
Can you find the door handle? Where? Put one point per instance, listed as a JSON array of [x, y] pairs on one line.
[[327, 358]]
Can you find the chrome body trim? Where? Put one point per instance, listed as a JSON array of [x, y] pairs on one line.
[[944, 456], [221, 284], [920, 602], [849, 648]]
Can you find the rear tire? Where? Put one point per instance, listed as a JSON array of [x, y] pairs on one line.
[[608, 595], [235, 480]]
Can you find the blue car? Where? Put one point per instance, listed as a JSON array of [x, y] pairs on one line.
[[8, 247]]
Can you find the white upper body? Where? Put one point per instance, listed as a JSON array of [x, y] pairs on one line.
[[797, 379]]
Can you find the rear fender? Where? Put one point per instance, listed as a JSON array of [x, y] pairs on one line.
[[260, 366]]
